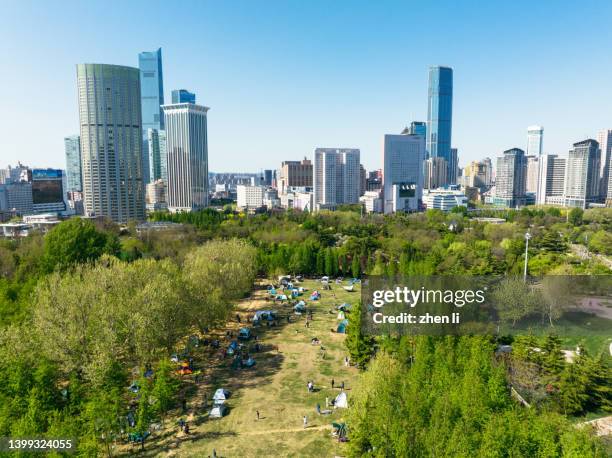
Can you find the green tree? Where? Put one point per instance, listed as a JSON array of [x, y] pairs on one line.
[[76, 241], [574, 216]]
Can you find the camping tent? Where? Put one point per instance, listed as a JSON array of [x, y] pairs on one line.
[[220, 396], [272, 292], [344, 307], [261, 315], [281, 297], [218, 411], [349, 288], [342, 326], [341, 401], [244, 334], [299, 307]]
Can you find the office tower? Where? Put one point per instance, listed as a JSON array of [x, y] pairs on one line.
[[402, 173], [531, 185], [440, 113], [158, 160], [444, 199], [435, 173], [111, 141], [267, 177], [511, 177], [582, 174], [535, 137], [488, 168], [187, 156], [604, 138], [335, 177], [295, 174], [16, 197], [48, 191], [416, 128], [363, 177], [183, 96], [152, 96], [72, 148], [551, 180], [453, 166]]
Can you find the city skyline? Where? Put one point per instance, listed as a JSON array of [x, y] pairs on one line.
[[272, 63]]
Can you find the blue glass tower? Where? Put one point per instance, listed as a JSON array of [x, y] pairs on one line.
[[440, 112], [183, 96], [152, 97]]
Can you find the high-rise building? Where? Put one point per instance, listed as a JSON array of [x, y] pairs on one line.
[[250, 197], [183, 96], [152, 89], [187, 156], [488, 168], [363, 179], [533, 170], [535, 138], [72, 148], [435, 173], [48, 194], [453, 166], [402, 172], [511, 177], [582, 174], [604, 138], [295, 174], [416, 128], [158, 160], [477, 174], [111, 141], [551, 181], [336, 177], [267, 177], [440, 113]]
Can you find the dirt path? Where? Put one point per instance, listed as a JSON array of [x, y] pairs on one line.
[[602, 426]]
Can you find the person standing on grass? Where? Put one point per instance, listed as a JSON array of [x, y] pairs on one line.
[[305, 422], [333, 383]]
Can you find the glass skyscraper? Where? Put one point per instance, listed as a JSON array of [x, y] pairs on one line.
[[72, 148], [440, 112], [183, 96], [111, 141], [152, 98]]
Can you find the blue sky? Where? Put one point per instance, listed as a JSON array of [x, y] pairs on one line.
[[284, 77]]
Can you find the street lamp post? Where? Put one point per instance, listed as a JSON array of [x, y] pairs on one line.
[[527, 237]]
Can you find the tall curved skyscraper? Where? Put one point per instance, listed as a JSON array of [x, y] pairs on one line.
[[440, 113], [111, 141]]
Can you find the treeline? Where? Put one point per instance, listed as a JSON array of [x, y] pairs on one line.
[[96, 325], [433, 396]]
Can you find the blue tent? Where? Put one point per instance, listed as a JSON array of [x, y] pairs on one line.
[[299, 307], [342, 327], [260, 315], [244, 334]]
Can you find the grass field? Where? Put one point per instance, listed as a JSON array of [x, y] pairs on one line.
[[276, 386]]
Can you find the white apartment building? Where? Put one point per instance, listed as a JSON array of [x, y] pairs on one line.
[[250, 197], [336, 177], [187, 156]]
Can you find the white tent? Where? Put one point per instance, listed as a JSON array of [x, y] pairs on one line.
[[341, 401], [218, 411], [220, 396]]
